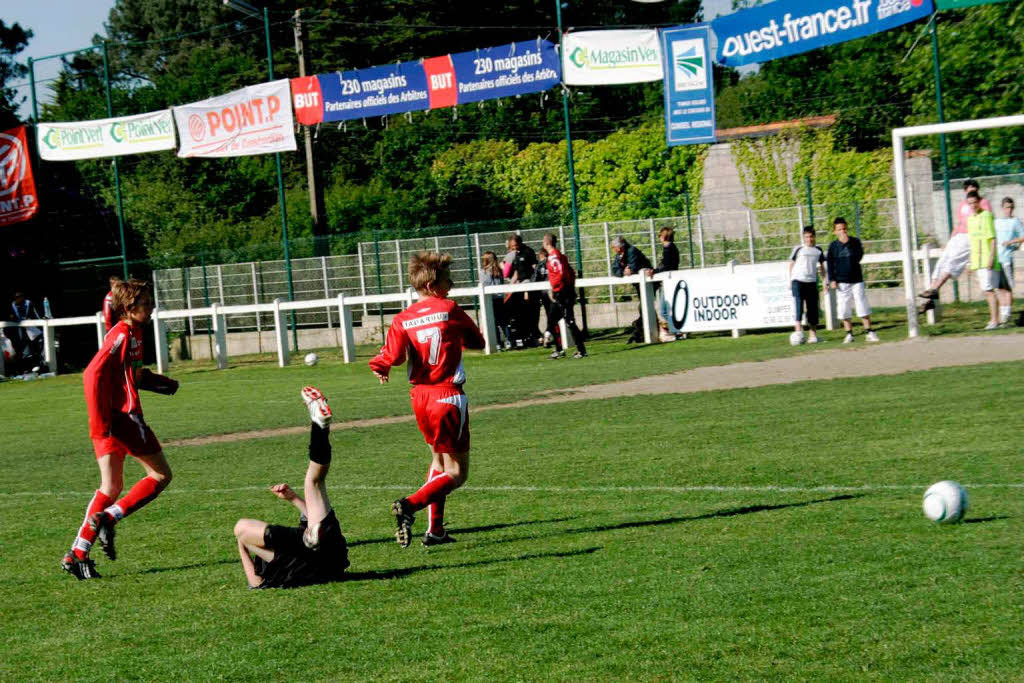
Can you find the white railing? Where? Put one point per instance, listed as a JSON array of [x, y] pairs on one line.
[[344, 304]]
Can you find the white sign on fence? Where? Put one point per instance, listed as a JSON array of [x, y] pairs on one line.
[[254, 120], [150, 132], [748, 298]]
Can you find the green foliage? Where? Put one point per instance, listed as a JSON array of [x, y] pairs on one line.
[[13, 39]]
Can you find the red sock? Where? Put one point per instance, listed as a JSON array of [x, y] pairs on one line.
[[435, 511], [86, 536], [145, 490], [433, 491]]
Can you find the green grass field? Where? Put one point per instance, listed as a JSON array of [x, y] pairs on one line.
[[770, 533]]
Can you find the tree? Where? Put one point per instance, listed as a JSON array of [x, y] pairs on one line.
[[13, 39]]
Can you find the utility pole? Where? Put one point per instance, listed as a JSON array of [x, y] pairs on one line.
[[316, 195]]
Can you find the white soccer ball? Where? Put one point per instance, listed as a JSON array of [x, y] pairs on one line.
[[311, 359], [945, 502], [796, 339]]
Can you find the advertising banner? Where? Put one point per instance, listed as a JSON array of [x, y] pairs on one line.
[[18, 199], [748, 298], [611, 57], [138, 134], [254, 120], [689, 85], [788, 27], [515, 69]]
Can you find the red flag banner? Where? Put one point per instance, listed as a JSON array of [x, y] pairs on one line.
[[18, 200]]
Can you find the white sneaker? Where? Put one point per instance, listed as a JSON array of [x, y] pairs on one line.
[[848, 339], [992, 326], [872, 336], [812, 339], [319, 411]]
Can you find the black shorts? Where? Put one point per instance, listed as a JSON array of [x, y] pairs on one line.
[[296, 565]]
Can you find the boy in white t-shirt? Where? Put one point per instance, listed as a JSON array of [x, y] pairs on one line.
[[1009, 236], [805, 263]]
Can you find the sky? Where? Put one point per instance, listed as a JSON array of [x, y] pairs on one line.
[[61, 25], [58, 25]]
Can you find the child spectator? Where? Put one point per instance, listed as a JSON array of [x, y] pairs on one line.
[[847, 279], [805, 263], [981, 231], [490, 274], [431, 334], [1010, 235]]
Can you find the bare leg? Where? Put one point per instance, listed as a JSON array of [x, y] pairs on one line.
[[993, 307], [866, 322], [250, 534], [111, 475], [456, 466], [157, 468], [248, 567], [939, 281], [315, 489], [848, 325]]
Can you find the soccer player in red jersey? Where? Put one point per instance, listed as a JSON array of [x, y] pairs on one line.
[[112, 382], [431, 335], [109, 319], [563, 299]]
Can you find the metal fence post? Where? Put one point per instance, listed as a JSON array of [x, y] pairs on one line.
[[327, 288], [398, 263], [689, 225], [750, 235], [220, 283], [362, 276], [800, 221], [256, 300], [474, 277], [700, 238], [654, 240], [608, 258]]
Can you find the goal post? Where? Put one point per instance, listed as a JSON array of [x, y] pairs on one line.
[[899, 171]]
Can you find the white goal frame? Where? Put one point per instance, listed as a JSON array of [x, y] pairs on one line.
[[899, 171]]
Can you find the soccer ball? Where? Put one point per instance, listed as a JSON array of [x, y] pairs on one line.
[[796, 339], [311, 359], [945, 502]]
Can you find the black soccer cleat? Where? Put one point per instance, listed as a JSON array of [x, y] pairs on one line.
[[404, 518], [103, 525], [430, 539], [80, 569]]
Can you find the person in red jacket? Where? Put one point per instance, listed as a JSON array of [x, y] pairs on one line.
[[431, 335], [117, 428], [109, 319], [563, 299]]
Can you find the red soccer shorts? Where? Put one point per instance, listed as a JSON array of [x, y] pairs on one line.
[[443, 417], [129, 435]]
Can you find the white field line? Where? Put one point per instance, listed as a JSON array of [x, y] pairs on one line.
[[708, 488]]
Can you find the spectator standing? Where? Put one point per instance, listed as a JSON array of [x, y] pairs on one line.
[[957, 253], [563, 299], [847, 279], [629, 261], [28, 341], [490, 274], [981, 231], [1010, 235], [805, 263], [669, 262], [524, 308]]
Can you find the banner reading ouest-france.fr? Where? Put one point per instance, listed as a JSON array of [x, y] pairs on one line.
[[137, 134], [504, 71], [18, 199], [611, 57], [254, 120], [788, 27]]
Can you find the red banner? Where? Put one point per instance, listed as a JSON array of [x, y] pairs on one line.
[[18, 200], [308, 100], [441, 81]]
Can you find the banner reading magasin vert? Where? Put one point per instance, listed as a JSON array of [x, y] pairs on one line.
[[18, 199], [504, 71], [789, 27], [689, 85], [746, 298], [254, 120], [611, 57], [137, 134]]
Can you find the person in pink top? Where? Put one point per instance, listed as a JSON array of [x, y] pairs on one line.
[[957, 253]]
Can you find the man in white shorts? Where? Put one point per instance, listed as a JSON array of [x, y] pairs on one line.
[[957, 253], [847, 278], [981, 231]]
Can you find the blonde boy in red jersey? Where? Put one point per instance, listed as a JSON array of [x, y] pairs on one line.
[[431, 335], [116, 426]]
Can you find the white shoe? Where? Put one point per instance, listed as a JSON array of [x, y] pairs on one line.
[[319, 411], [812, 339], [872, 336], [848, 339], [992, 326]]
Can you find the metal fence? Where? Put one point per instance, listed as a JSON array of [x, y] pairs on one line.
[[379, 266]]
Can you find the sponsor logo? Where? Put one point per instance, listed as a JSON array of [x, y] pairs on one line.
[[13, 163], [680, 302], [689, 65]]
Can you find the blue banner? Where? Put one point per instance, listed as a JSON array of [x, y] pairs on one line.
[[789, 27], [689, 85], [376, 91], [515, 69]]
